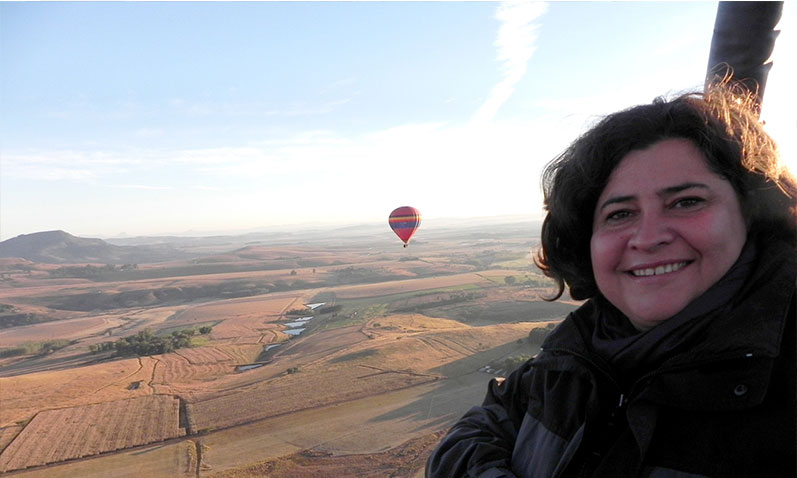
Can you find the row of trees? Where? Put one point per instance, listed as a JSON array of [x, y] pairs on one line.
[[444, 299], [34, 348], [537, 335], [147, 343], [11, 317], [533, 281], [508, 364], [89, 271]]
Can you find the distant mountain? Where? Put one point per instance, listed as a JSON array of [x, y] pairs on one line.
[[59, 247]]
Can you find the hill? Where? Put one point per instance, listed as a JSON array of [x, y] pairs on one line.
[[59, 247]]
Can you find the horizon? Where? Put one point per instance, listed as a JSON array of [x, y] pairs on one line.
[[446, 224], [154, 119]]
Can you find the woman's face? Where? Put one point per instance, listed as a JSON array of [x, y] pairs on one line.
[[665, 229]]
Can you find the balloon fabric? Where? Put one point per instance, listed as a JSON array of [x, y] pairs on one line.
[[405, 221]]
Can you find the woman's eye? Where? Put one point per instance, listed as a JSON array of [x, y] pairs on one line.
[[618, 215], [685, 203]]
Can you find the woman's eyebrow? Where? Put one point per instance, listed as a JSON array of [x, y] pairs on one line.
[[680, 187], [616, 199]]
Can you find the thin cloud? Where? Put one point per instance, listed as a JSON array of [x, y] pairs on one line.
[[200, 187], [342, 84], [310, 109], [149, 133], [202, 109], [63, 165], [35, 173], [515, 43], [141, 186]]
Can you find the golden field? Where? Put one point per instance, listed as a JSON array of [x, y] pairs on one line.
[[392, 357]]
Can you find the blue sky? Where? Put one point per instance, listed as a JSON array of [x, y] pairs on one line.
[[170, 118]]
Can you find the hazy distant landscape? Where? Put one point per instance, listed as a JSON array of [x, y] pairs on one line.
[[282, 353]]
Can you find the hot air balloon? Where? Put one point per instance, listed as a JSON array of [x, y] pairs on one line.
[[404, 221]]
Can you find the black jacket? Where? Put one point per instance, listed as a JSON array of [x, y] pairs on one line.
[[725, 408]]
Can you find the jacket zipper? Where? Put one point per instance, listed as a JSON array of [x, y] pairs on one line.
[[589, 462]]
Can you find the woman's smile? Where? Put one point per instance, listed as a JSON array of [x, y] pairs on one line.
[[649, 271]]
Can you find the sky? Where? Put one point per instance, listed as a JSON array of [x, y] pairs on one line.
[[187, 118]]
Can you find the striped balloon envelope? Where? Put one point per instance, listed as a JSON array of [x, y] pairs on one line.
[[405, 221]]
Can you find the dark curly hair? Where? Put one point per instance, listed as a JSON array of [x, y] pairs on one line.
[[721, 122]]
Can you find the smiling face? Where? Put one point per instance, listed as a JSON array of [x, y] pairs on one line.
[[665, 229]]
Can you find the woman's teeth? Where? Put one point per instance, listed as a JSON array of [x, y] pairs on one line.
[[665, 269]]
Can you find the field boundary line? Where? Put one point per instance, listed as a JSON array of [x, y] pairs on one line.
[[442, 346], [216, 348], [381, 371], [140, 368], [151, 383]]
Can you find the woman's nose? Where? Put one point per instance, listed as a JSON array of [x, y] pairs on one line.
[[652, 230]]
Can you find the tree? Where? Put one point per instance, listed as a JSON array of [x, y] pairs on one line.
[[538, 335]]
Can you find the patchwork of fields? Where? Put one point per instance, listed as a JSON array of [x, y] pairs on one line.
[[418, 327]]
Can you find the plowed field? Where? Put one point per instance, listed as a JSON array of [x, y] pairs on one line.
[[266, 308], [24, 395], [395, 287], [63, 434], [404, 461], [174, 370], [63, 329], [294, 392]]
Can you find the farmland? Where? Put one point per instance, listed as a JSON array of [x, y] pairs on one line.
[[101, 427], [390, 353]]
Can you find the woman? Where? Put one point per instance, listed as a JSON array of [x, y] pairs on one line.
[[676, 220]]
